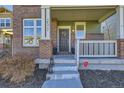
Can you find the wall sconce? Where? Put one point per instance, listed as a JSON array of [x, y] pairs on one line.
[[73, 30]]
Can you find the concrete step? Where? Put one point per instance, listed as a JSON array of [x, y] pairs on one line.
[[65, 68], [63, 75], [64, 61], [65, 64]]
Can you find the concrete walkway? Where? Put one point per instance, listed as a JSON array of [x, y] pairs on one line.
[[65, 75], [63, 83]]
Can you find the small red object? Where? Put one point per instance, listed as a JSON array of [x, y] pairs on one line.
[[85, 64]]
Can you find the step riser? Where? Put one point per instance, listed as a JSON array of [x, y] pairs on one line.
[[64, 61], [63, 76], [65, 69]]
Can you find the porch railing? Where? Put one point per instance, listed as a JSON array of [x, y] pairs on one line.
[[96, 48]]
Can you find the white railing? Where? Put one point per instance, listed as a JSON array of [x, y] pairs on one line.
[[96, 48]]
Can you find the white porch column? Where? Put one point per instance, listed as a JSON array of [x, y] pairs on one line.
[[120, 19], [45, 16]]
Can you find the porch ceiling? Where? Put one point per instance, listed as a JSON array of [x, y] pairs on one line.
[[84, 13]]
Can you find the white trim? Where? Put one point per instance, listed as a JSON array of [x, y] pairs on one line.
[[64, 27], [43, 22], [80, 23], [77, 52], [35, 34], [46, 20], [121, 22]]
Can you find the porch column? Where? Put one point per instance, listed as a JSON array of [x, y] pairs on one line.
[[45, 45], [120, 31], [45, 16]]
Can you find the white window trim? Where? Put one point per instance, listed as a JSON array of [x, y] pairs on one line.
[[81, 23], [5, 23], [35, 34], [64, 27]]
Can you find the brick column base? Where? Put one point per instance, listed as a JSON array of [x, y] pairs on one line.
[[45, 49], [120, 45]]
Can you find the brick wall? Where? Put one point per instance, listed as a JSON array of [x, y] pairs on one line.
[[45, 49], [120, 44], [54, 32], [95, 36], [19, 13]]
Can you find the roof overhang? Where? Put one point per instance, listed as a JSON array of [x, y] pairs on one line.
[[84, 13]]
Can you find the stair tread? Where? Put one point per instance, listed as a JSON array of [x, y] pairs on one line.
[[65, 72]]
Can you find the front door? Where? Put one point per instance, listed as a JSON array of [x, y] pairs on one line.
[[64, 40]]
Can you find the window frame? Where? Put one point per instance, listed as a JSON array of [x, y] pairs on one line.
[[80, 23], [35, 32], [5, 25]]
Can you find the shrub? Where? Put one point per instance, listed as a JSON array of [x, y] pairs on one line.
[[17, 68]]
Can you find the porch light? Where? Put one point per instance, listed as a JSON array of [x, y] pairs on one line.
[[73, 30]]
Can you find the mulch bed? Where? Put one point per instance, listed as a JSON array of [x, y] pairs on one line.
[[34, 81], [102, 79]]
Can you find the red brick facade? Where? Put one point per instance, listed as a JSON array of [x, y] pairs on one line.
[[45, 49], [120, 44], [20, 13]]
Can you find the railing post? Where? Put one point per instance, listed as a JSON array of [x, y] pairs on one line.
[[116, 49], [77, 52]]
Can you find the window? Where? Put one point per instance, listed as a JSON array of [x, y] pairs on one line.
[[80, 28], [31, 32], [5, 22]]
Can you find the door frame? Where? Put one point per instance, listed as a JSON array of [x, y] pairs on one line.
[[62, 27]]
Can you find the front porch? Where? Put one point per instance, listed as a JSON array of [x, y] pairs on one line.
[[77, 30], [67, 21], [75, 36]]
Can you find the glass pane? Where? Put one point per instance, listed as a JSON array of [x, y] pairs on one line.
[[2, 22], [80, 34], [28, 40], [8, 22], [28, 31], [28, 22], [39, 31], [38, 22], [37, 41], [80, 27]]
